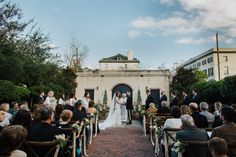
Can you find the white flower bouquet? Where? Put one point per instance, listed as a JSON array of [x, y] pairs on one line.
[[61, 140], [179, 147], [75, 127]]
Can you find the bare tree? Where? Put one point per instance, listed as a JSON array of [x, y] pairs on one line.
[[76, 55]]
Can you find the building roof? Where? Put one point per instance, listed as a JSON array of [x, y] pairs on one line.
[[119, 58], [207, 53]]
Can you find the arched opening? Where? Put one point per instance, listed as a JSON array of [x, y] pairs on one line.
[[123, 88]]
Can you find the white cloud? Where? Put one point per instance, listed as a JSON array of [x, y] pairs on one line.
[[191, 41], [168, 2], [194, 17], [133, 34]]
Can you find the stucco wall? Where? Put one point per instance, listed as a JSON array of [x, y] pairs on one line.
[[136, 79]]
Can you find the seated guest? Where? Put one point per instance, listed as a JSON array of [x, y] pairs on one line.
[[204, 111], [23, 118], [79, 112], [173, 122], [5, 108], [228, 130], [43, 131], [65, 119], [2, 116], [5, 121], [67, 106], [164, 108], [218, 147], [152, 108], [14, 107], [199, 120], [11, 139], [217, 106], [191, 133], [184, 109], [58, 110], [91, 108]]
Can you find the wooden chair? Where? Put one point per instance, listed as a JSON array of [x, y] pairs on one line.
[[96, 125], [196, 149], [31, 148]]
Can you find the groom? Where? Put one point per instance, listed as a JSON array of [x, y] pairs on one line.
[[129, 107]]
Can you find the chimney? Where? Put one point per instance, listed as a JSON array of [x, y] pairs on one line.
[[130, 55]]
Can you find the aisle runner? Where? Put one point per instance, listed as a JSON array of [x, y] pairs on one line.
[[127, 141]]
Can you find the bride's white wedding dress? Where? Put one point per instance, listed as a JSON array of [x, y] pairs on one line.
[[114, 116]]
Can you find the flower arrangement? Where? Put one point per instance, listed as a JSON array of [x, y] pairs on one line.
[[75, 127], [61, 140], [179, 147], [160, 132], [86, 121]]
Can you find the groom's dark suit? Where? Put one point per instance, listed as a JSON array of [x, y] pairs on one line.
[[129, 107]]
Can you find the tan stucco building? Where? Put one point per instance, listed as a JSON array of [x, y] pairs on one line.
[[208, 63], [121, 73]]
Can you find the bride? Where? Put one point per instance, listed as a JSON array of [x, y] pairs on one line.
[[114, 116]]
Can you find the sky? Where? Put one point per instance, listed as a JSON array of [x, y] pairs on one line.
[[159, 32]]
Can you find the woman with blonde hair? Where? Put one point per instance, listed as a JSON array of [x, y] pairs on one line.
[[185, 110]]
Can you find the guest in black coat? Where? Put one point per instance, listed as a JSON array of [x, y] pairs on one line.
[[191, 133], [196, 98], [164, 108], [44, 131], [186, 99], [162, 98], [79, 112], [129, 107], [149, 99], [199, 120], [174, 101]]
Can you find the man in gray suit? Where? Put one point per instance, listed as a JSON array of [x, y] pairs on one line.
[[191, 133]]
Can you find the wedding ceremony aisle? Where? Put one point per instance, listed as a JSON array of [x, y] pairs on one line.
[[125, 141]]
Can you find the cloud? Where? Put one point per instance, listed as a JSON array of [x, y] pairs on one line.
[[195, 17], [191, 41], [133, 34], [168, 2]]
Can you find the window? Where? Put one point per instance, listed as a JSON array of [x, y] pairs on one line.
[[226, 70], [119, 58], [225, 58], [194, 66], [210, 72], [205, 71], [198, 64], [126, 66], [204, 62], [209, 60]]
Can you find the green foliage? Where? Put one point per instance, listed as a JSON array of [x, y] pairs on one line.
[[22, 92], [200, 75], [7, 91], [139, 98], [25, 58], [228, 88], [183, 80], [105, 97]]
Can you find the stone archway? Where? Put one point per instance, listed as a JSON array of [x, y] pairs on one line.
[[123, 88]]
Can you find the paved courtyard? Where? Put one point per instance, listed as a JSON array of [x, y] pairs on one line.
[[125, 141]]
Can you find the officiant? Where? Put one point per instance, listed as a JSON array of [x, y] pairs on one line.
[[123, 110]]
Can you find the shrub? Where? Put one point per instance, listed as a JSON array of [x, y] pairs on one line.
[[7, 91]]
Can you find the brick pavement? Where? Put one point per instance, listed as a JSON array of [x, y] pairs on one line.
[[125, 141]]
